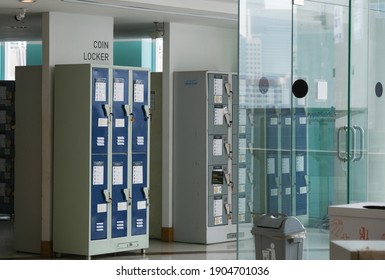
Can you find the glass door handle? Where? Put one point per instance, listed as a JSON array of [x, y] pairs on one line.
[[362, 134], [342, 155], [345, 155], [352, 154]]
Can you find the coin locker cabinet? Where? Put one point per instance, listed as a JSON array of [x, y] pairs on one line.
[[101, 159], [206, 158]]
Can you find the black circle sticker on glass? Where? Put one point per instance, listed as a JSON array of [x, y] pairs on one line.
[[300, 88], [263, 85], [379, 89]]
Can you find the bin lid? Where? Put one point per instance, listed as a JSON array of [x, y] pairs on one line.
[[279, 223]]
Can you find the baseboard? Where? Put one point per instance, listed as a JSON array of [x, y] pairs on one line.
[[167, 234], [46, 249]]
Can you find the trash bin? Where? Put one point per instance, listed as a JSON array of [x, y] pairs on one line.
[[278, 237]]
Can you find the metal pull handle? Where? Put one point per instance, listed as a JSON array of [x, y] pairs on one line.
[[341, 155], [362, 134], [353, 149]]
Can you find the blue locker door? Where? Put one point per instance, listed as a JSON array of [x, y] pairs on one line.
[[286, 161], [140, 119], [119, 195], [120, 111], [139, 199], [272, 160], [301, 161], [99, 148], [98, 197], [100, 111]]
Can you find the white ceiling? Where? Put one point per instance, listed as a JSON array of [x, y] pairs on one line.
[[132, 19]]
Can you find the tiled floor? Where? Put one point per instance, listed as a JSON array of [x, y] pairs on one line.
[[315, 248]]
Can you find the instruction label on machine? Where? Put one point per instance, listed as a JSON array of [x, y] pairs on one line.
[[139, 91], [100, 90], [118, 89], [217, 145], [98, 173], [137, 173]]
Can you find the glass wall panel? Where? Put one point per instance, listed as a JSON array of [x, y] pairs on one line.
[[294, 94]]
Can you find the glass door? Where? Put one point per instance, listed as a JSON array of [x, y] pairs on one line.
[[300, 133]]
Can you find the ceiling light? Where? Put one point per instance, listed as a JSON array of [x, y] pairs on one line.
[[27, 1]]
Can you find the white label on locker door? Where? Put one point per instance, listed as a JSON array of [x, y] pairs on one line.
[[273, 121], [217, 189], [242, 205], [287, 191], [241, 188], [100, 90], [122, 206], [242, 175], [218, 99], [101, 208], [217, 147], [218, 220], [137, 174], [242, 158], [118, 90], [218, 116], [98, 175], [285, 165], [218, 86], [138, 92], [287, 121], [274, 192], [242, 146], [218, 207], [302, 120], [102, 122], [300, 164], [117, 175], [303, 190], [119, 123], [141, 205], [271, 165]]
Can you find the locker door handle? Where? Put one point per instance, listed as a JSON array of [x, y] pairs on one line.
[[107, 196], [126, 110], [107, 110], [228, 89], [147, 111]]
